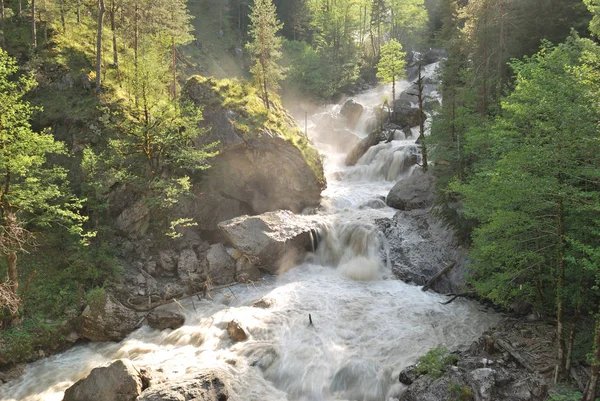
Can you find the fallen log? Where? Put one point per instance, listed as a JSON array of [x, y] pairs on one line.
[[515, 354], [445, 270], [205, 292]]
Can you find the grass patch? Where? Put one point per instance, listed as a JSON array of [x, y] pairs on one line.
[[435, 362]]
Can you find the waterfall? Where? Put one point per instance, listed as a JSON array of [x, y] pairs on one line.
[[366, 327]]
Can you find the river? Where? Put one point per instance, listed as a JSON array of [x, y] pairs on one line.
[[367, 326]]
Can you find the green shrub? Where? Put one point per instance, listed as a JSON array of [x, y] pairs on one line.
[[460, 392], [95, 296], [435, 361]]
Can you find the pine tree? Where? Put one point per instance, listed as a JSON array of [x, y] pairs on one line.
[[391, 66], [265, 48]]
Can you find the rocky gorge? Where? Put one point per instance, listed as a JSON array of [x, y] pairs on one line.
[[338, 263]]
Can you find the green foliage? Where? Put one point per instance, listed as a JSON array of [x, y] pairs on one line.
[[460, 392], [391, 64], [435, 362], [566, 395], [265, 48], [95, 296], [19, 343], [542, 171]]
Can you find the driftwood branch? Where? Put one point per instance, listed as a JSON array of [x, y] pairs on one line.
[[515, 354], [445, 270], [203, 292], [455, 296]]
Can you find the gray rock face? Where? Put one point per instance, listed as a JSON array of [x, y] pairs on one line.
[[274, 240], [162, 320], [221, 266], [205, 387], [420, 246], [119, 381], [241, 180], [133, 220], [413, 192], [408, 116], [352, 112], [188, 265], [361, 148], [108, 320], [488, 371]]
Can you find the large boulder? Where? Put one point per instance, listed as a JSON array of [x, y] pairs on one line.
[[107, 320], [220, 265], [408, 116], [204, 387], [352, 111], [161, 320], [420, 246], [251, 147], [273, 240], [119, 381], [365, 144], [413, 192]]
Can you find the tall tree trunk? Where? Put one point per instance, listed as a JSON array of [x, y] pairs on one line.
[[573, 324], [113, 28], [99, 45], [13, 274], [46, 20], [560, 303], [78, 12], [20, 9], [590, 393], [2, 18], [174, 67], [422, 121], [62, 15], [33, 27]]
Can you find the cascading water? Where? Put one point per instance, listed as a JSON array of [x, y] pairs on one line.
[[367, 325]]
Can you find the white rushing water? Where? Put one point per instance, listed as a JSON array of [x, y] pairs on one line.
[[367, 325]]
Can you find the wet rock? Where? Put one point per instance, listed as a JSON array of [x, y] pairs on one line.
[[162, 320], [167, 260], [420, 246], [482, 381], [264, 303], [487, 373], [409, 375], [409, 117], [447, 388], [220, 265], [352, 112], [236, 332], [119, 381], [107, 320], [273, 241], [10, 372], [187, 265], [365, 144], [431, 104], [204, 387], [413, 192]]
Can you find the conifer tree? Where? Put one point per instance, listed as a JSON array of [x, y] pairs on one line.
[[265, 48], [391, 66]]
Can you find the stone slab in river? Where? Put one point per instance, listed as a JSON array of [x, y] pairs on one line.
[[108, 320], [414, 192], [275, 240], [119, 381]]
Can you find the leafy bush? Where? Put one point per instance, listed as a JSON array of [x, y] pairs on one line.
[[435, 361], [460, 392]]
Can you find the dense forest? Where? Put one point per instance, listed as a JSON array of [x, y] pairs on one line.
[[100, 106]]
